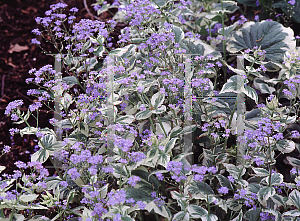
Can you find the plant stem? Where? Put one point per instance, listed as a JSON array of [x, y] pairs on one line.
[[224, 42], [230, 120]]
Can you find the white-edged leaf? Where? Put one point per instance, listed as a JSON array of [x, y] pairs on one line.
[[224, 182], [264, 194], [179, 34], [250, 92], [272, 36], [28, 197], [293, 161], [143, 114], [181, 216], [261, 172], [157, 99], [294, 198], [285, 146], [125, 120], [196, 211], [276, 179]]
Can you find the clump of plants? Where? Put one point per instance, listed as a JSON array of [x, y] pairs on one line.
[[124, 140]]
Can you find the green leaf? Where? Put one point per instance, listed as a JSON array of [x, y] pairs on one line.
[[288, 9], [175, 131], [125, 120], [239, 217], [162, 210], [234, 204], [260, 172], [262, 86], [236, 171], [251, 93], [271, 36], [294, 197], [276, 179], [179, 34], [228, 8], [70, 80], [221, 158], [264, 194], [234, 84], [199, 190], [189, 129], [47, 141], [143, 115], [170, 145], [195, 46], [224, 181], [157, 100], [228, 30], [163, 159], [196, 211], [252, 214], [41, 156], [28, 198], [181, 216], [99, 51], [293, 161], [293, 213], [209, 217], [285, 146], [254, 187], [127, 218], [144, 175], [277, 199]]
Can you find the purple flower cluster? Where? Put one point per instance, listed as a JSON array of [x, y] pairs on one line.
[[139, 11], [266, 216], [247, 198], [116, 197], [13, 105]]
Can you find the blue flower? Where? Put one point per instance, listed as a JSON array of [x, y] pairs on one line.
[[292, 2], [223, 190]]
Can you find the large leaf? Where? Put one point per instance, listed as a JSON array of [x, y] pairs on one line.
[[276, 179], [179, 34], [251, 93], [264, 194], [196, 211], [263, 86], [236, 171], [162, 210], [224, 182], [47, 141], [293, 161], [294, 199], [197, 47], [157, 100], [41, 155], [199, 190], [143, 114], [252, 214], [269, 35], [181, 216], [228, 6], [261, 172], [285, 146]]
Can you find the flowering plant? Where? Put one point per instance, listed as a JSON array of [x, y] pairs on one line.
[[124, 138]]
